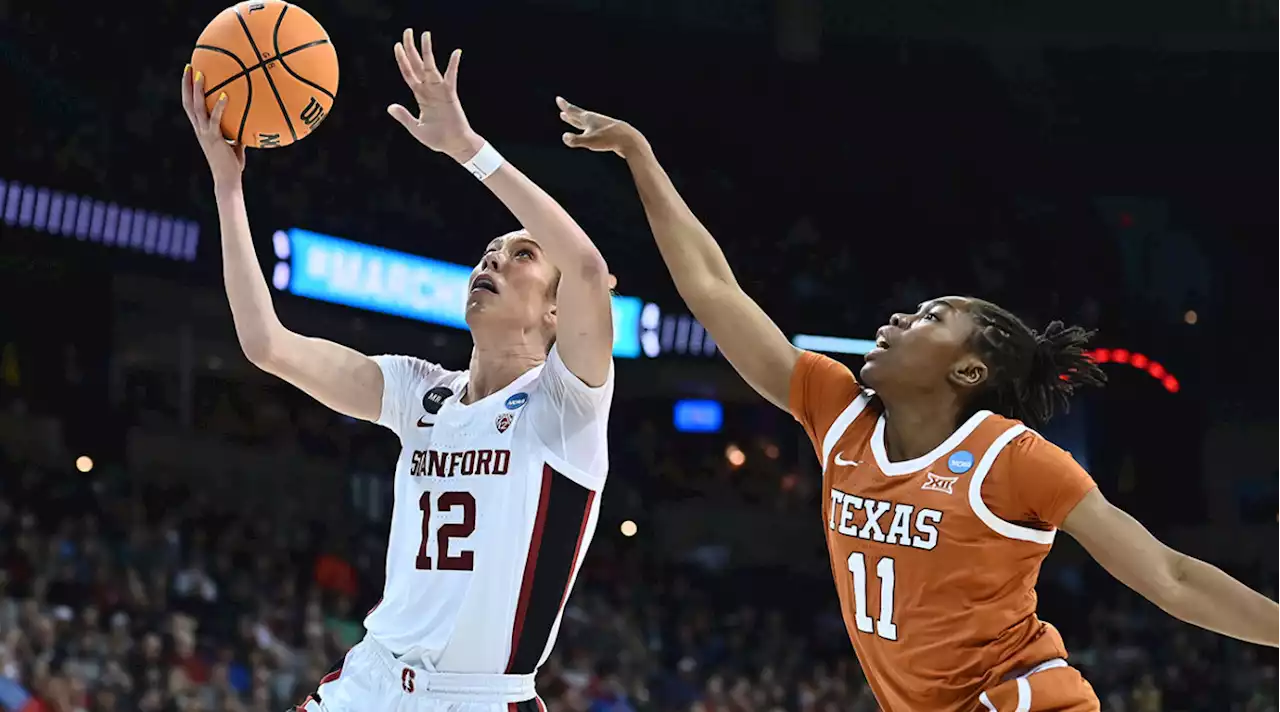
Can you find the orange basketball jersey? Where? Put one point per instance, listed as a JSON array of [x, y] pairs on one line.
[[935, 559]]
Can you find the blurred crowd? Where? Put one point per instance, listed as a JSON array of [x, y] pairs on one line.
[[115, 595]]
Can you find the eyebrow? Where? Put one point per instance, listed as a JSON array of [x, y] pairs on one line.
[[924, 306], [499, 243]]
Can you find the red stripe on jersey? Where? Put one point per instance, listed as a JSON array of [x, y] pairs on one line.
[[531, 563], [331, 676]]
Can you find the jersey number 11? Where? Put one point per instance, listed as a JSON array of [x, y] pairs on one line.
[[884, 625]]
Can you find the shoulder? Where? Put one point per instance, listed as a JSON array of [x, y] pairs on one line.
[[819, 384], [556, 375], [408, 368], [1012, 447], [410, 376], [1040, 479]]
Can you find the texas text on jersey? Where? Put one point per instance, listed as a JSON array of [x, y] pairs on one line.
[[495, 505], [936, 558]]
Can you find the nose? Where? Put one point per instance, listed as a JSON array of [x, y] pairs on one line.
[[492, 261], [898, 320]]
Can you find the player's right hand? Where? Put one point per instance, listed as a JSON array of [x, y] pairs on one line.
[[600, 132], [226, 160]]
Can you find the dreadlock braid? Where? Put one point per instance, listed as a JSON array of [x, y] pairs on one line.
[[1032, 375]]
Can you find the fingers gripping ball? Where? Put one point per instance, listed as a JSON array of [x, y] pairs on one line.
[[277, 67]]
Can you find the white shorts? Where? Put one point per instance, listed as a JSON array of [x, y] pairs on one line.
[[370, 679]]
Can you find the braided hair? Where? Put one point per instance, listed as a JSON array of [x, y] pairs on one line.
[[1031, 375]]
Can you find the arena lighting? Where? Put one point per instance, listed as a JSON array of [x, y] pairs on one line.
[[1138, 361], [340, 271], [57, 213], [698, 416], [833, 344], [673, 334], [860, 347]]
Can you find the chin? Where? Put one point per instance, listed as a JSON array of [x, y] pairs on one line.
[[867, 375]]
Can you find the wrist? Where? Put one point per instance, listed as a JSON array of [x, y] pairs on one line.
[[467, 148], [638, 150], [637, 146], [230, 185]]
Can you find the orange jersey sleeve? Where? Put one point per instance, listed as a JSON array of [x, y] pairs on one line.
[[820, 389], [1039, 483]]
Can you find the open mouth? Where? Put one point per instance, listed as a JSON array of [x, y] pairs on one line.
[[484, 282]]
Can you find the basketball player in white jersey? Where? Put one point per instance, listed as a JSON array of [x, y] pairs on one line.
[[497, 486]]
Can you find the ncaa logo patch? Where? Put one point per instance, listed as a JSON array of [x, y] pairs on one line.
[[503, 422], [517, 400], [960, 461]]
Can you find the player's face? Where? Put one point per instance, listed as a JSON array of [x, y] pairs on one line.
[[512, 285], [925, 350]]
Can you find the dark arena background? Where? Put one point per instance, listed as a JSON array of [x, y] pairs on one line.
[[181, 532]]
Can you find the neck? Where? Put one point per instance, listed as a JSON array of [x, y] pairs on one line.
[[915, 425], [498, 360]]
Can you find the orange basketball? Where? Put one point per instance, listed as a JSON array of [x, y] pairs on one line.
[[277, 66]]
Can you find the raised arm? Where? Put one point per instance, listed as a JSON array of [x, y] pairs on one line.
[[341, 378], [749, 339], [584, 322], [1184, 587]]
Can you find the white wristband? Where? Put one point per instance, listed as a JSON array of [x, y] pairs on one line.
[[485, 162]]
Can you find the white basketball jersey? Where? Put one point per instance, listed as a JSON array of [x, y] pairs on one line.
[[495, 506]]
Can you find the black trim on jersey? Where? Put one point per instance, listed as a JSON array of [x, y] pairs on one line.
[[563, 508]]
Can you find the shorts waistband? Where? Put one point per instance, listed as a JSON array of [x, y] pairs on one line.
[[1027, 672], [477, 687]]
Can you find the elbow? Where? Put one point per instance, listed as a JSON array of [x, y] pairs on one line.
[[592, 269], [261, 347], [258, 351], [1168, 591], [260, 341]]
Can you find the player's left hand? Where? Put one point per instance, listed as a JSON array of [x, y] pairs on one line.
[[600, 132], [440, 124]]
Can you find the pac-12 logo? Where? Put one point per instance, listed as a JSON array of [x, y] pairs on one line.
[[960, 461], [517, 400], [503, 422]]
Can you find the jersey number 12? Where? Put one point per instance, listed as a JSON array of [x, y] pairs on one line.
[[464, 560], [883, 626]]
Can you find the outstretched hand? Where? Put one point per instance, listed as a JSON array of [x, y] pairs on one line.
[[440, 124], [599, 132], [226, 159]]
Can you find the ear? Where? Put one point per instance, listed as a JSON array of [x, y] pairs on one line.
[[968, 372]]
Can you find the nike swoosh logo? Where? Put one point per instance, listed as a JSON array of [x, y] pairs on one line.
[[424, 425], [846, 463]]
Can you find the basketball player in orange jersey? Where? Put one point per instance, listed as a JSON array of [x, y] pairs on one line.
[[939, 501]]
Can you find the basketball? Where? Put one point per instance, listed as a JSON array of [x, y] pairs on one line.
[[277, 66]]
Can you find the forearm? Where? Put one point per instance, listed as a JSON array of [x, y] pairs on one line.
[[251, 308], [1206, 596], [690, 252], [565, 243]]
